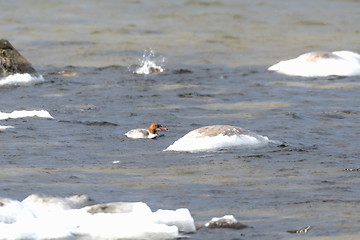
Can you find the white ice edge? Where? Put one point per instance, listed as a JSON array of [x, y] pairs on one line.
[[19, 79], [26, 113]]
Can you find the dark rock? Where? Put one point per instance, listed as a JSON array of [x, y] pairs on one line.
[[11, 61], [182, 71]]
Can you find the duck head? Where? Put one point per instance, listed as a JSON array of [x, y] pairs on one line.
[[155, 127]]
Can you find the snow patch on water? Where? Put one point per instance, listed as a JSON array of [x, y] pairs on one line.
[[38, 217], [20, 79]]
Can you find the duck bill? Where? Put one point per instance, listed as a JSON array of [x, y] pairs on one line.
[[162, 128]]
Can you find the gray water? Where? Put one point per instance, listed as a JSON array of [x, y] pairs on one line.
[[216, 55]]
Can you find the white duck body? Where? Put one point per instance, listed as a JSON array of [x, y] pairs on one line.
[[217, 137], [140, 133], [151, 132], [320, 64]]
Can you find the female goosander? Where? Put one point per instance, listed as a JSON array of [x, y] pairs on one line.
[[320, 64], [217, 137], [151, 132]]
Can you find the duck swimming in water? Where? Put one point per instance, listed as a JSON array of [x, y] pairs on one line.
[[151, 132]]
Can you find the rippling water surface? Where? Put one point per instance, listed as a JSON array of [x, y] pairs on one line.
[[215, 55]]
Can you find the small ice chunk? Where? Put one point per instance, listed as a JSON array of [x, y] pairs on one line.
[[180, 218]]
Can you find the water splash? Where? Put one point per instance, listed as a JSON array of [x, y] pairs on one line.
[[150, 63]]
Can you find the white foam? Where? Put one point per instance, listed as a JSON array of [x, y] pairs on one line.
[[191, 143], [20, 79], [148, 64], [39, 217], [320, 64]]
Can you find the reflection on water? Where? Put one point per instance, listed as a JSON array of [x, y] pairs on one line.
[[346, 85], [175, 86]]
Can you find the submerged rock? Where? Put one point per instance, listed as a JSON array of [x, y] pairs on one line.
[[227, 221], [11, 61]]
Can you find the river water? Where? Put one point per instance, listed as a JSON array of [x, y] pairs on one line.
[[215, 55]]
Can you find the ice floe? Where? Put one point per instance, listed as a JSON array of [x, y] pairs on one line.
[[38, 217], [320, 64], [212, 138]]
